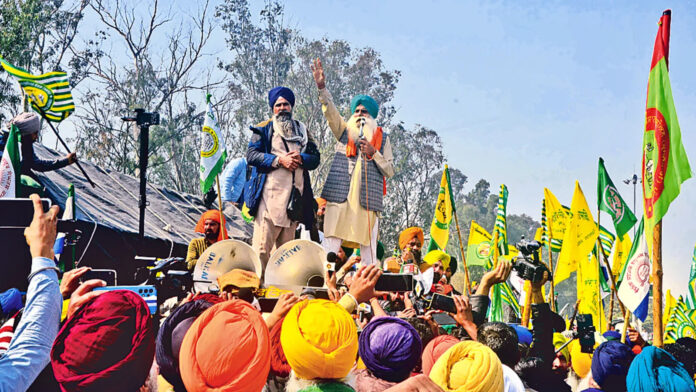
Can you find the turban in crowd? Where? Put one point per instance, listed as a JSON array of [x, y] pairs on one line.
[[279, 364], [468, 366], [320, 340], [213, 215], [278, 92], [390, 348], [558, 341], [437, 255], [408, 234], [10, 302], [171, 335], [107, 345], [27, 123], [655, 369], [511, 381], [321, 202], [580, 361], [227, 348], [367, 101], [238, 278], [524, 335], [328, 387], [434, 349], [610, 363]]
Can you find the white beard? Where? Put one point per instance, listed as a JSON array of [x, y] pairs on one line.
[[353, 128], [296, 384]]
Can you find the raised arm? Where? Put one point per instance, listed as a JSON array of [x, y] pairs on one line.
[[333, 117]]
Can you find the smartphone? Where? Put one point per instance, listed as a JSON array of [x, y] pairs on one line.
[[267, 304], [443, 302], [107, 275], [444, 319], [148, 293], [395, 283], [19, 212]]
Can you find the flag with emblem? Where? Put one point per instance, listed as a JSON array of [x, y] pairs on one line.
[[9, 165], [691, 292], [213, 150], [478, 250], [665, 165], [556, 217], [611, 202], [635, 277], [580, 236], [48, 93], [682, 322], [444, 208]]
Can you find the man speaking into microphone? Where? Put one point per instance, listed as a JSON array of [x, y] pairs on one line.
[[355, 186]]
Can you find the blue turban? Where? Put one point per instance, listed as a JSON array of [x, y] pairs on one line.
[[367, 101], [655, 369], [524, 335], [10, 302], [390, 348], [610, 364], [278, 92]]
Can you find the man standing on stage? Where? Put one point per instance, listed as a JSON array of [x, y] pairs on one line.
[[355, 186], [281, 153]]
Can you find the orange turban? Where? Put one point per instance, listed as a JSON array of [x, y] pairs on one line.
[[320, 201], [320, 340], [408, 234], [227, 348], [213, 215], [434, 349]]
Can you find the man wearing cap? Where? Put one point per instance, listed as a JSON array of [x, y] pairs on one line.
[[29, 125], [355, 186], [209, 225], [280, 154]]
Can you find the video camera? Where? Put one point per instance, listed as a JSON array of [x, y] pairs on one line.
[[527, 264], [143, 118]]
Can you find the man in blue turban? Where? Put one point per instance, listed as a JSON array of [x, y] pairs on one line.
[[356, 184], [280, 155], [654, 370], [610, 364]]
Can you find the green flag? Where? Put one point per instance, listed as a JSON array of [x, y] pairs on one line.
[[9, 165], [213, 151], [665, 165], [611, 202]]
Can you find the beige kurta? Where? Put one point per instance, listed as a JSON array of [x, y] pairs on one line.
[[349, 220]]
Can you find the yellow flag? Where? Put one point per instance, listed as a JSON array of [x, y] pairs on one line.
[[439, 229], [580, 236], [557, 216], [589, 292], [670, 302], [479, 248], [621, 251]]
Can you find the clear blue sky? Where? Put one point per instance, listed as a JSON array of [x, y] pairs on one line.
[[531, 95]]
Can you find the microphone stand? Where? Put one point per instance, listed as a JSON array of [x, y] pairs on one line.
[[367, 195]]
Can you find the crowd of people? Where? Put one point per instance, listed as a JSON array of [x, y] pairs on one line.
[[109, 341]]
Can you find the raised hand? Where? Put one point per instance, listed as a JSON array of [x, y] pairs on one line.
[[318, 73], [41, 233], [71, 280]]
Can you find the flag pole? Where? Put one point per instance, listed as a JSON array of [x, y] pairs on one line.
[[461, 250], [43, 115], [600, 253], [527, 311], [222, 219], [625, 326], [657, 285], [552, 293]]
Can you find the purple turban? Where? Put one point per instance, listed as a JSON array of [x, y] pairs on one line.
[[610, 364], [390, 348], [278, 92]]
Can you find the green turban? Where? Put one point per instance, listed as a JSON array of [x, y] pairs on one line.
[[367, 101]]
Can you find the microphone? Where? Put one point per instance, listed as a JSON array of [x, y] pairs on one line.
[[332, 257], [362, 124]]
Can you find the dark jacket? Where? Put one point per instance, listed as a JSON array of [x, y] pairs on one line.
[[260, 160], [29, 159]]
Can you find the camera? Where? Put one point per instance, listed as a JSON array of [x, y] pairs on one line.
[[143, 118], [585, 333], [527, 264]]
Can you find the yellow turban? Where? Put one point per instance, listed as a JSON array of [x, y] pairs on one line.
[[468, 367], [320, 340], [580, 361], [408, 234], [558, 341], [437, 255]]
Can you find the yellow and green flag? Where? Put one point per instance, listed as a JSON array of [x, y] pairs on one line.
[[691, 292], [478, 250], [681, 324], [588, 287], [444, 209], [623, 248], [580, 236], [48, 93], [665, 165], [556, 218]]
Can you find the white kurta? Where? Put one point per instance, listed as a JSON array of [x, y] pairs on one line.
[[349, 220]]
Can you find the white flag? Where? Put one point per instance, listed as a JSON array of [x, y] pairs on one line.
[[213, 150], [635, 281]]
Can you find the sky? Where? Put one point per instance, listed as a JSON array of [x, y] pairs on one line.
[[531, 94]]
